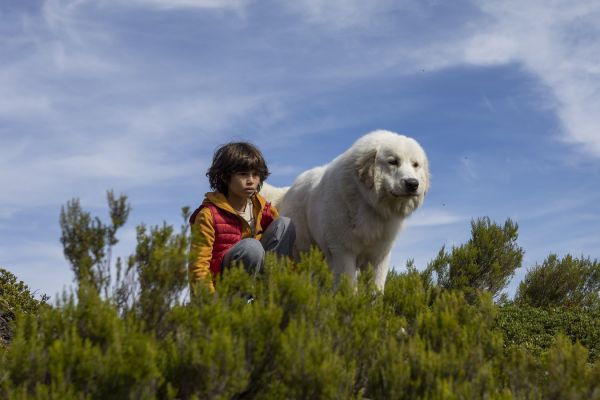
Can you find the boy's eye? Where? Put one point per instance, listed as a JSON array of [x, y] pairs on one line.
[[248, 174]]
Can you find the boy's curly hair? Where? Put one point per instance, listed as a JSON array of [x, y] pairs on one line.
[[235, 157]]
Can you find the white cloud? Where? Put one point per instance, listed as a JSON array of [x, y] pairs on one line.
[[212, 112], [233, 5], [285, 171], [17, 100], [490, 49], [66, 6], [125, 139], [83, 117], [556, 41], [433, 217], [346, 14]]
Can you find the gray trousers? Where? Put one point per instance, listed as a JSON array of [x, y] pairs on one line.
[[279, 237]]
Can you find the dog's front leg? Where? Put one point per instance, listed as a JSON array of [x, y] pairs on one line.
[[341, 263], [381, 270]]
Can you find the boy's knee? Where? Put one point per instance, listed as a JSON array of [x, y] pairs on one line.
[[247, 251], [252, 248], [252, 255]]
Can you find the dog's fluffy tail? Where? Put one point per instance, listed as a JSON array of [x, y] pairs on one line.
[[273, 194]]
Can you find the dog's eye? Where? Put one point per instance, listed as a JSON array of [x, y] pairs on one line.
[[416, 164], [394, 161]]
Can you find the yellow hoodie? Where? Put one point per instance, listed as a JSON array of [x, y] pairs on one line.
[[205, 239]]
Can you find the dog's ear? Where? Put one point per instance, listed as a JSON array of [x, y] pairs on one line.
[[365, 168], [426, 176]]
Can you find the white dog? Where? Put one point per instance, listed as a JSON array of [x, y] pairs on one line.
[[353, 207]]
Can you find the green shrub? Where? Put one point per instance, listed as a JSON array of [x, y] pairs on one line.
[[15, 297], [303, 337], [568, 282], [535, 329], [485, 263], [561, 372]]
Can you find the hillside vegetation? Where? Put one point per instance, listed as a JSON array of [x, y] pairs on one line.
[[447, 332]]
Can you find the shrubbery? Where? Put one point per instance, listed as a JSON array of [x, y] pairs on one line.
[[567, 282], [536, 329], [302, 337], [15, 297]]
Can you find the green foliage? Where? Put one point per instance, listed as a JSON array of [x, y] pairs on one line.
[[485, 263], [535, 329], [160, 264], [561, 372], [15, 297], [87, 242], [80, 350], [156, 273], [567, 282], [303, 337]]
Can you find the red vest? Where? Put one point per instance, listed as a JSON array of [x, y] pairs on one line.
[[228, 231]]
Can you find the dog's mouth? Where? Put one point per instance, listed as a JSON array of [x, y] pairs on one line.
[[404, 195]]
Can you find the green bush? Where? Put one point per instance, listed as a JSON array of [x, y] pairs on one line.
[[15, 297], [303, 337], [568, 282], [535, 329], [485, 263]]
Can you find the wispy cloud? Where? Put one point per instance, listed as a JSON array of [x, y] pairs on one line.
[[18, 100], [83, 113], [430, 217], [106, 116], [233, 5], [346, 14], [557, 41]]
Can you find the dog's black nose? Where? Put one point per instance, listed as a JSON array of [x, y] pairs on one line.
[[411, 184]]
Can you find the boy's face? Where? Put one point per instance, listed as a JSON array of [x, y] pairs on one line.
[[244, 184]]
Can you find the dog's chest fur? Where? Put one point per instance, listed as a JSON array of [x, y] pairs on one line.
[[370, 228]]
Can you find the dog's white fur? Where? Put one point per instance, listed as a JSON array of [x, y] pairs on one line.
[[354, 207]]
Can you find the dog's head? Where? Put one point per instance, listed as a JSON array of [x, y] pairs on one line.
[[393, 169]]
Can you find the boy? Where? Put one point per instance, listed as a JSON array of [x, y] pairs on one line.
[[235, 223]]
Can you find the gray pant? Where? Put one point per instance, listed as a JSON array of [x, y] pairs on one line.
[[278, 237]]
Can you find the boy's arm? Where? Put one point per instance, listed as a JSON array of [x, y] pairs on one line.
[[203, 238]]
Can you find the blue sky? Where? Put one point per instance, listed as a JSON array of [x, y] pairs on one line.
[[135, 95]]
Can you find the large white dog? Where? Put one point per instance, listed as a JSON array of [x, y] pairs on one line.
[[353, 207]]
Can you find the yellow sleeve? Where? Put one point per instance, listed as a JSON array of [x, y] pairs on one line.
[[203, 238]]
